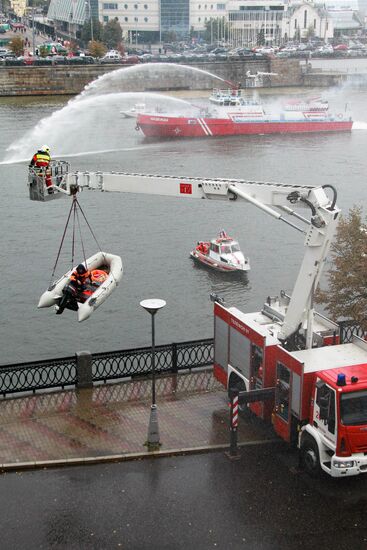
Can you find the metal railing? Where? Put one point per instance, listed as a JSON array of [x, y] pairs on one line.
[[168, 358], [349, 328], [60, 373], [113, 365]]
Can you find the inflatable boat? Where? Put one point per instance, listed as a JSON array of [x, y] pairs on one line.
[[105, 274]]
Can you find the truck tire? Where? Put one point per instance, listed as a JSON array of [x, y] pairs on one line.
[[310, 457]]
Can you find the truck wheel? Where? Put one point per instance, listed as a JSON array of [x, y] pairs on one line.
[[309, 457]]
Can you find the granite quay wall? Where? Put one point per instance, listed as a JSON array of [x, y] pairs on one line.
[[71, 80]]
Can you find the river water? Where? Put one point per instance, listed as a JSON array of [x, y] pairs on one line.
[[154, 235]]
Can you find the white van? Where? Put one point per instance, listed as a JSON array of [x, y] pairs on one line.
[[111, 57]]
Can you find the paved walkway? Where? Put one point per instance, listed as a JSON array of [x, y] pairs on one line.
[[110, 422]]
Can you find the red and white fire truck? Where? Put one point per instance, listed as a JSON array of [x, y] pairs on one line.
[[320, 384]]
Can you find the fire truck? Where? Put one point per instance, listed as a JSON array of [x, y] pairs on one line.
[[319, 401]]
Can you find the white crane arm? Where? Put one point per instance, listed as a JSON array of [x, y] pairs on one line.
[[272, 198]]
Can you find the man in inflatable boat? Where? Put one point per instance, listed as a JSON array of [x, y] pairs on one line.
[[80, 276], [73, 292]]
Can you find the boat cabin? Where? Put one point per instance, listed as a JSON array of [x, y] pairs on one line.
[[230, 98], [225, 246]]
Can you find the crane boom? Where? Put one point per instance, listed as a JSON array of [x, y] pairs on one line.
[[272, 198]]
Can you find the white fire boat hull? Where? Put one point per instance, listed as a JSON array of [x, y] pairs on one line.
[[55, 291], [217, 264]]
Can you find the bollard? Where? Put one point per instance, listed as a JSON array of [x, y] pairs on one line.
[[84, 377], [233, 453]]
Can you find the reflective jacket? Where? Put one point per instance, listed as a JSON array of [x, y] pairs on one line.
[[40, 159], [78, 278]]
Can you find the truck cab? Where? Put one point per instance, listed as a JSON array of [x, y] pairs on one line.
[[319, 402]]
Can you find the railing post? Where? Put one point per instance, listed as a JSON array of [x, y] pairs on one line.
[[84, 377], [174, 367], [233, 452]]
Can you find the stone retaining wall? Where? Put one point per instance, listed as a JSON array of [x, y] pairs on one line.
[[71, 80]]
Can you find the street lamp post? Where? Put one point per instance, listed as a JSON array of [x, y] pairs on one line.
[[33, 33], [153, 443], [87, 5]]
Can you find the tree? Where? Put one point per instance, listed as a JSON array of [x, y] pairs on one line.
[[16, 45], [260, 41], [96, 48], [86, 34], [346, 296], [216, 29], [310, 32], [112, 33]]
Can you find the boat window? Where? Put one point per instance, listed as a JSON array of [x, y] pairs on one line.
[[226, 249], [214, 248], [354, 408], [235, 247]]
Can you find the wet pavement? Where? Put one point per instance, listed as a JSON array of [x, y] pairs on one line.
[[198, 502], [201, 500], [110, 422]]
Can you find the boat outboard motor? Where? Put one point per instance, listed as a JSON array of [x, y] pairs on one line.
[[68, 299]]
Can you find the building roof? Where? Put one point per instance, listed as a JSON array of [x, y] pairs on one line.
[[345, 19], [71, 11]]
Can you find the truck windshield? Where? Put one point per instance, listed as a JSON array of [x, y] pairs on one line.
[[353, 407]]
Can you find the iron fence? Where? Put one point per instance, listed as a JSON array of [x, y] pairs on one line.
[[60, 373], [349, 328], [169, 358]]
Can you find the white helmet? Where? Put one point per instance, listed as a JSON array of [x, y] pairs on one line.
[[45, 149]]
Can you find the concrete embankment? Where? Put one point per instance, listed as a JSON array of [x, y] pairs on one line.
[[70, 80]]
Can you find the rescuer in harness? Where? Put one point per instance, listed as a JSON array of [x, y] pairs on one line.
[[41, 164], [79, 277], [73, 292]]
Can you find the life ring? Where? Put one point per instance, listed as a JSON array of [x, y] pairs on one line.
[[98, 276]]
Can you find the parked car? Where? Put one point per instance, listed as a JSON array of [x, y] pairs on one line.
[[111, 57], [81, 60]]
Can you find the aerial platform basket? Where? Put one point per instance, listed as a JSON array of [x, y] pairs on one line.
[[57, 171]]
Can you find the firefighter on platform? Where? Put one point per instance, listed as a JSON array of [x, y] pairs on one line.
[[41, 164]]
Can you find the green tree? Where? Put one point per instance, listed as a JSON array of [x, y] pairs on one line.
[[112, 33], [310, 32], [261, 38], [86, 34], [96, 48], [346, 296], [216, 29], [43, 51], [16, 45]]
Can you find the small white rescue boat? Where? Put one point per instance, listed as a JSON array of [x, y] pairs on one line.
[[134, 111], [222, 253], [106, 273]]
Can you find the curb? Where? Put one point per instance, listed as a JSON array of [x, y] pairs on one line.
[[64, 462]]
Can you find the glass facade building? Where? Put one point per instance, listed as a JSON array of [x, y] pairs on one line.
[[175, 17]]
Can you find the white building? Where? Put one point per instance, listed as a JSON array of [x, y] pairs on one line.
[[239, 22], [274, 22]]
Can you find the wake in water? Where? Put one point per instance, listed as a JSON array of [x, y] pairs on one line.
[[359, 125]]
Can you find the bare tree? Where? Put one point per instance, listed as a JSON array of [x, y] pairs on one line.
[[346, 296]]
